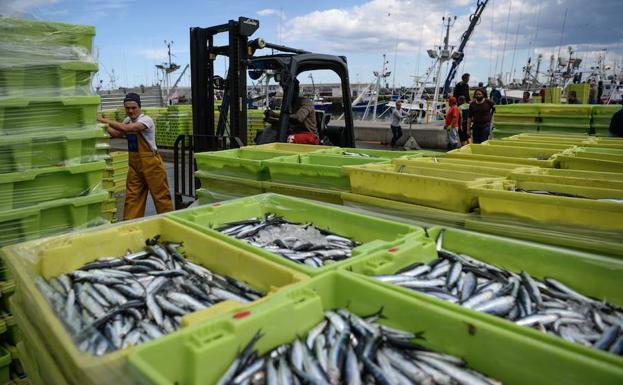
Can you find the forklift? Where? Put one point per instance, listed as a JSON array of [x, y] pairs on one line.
[[230, 131]]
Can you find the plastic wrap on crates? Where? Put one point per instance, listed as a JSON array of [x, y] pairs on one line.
[[45, 58], [54, 148], [27, 188], [51, 217]]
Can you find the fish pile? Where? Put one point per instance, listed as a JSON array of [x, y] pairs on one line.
[[113, 303], [547, 305], [347, 349], [301, 243]]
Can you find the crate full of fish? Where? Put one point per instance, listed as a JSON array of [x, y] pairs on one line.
[[297, 233], [542, 157], [432, 186], [555, 292], [98, 293], [387, 154], [294, 148], [341, 329], [316, 170], [552, 203], [243, 162]]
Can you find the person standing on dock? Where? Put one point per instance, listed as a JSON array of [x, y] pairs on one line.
[[464, 110], [146, 172], [452, 123], [616, 124], [479, 117], [462, 88], [397, 115]]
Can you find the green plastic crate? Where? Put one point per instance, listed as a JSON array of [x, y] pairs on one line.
[[518, 109], [50, 218], [405, 212], [224, 188], [316, 170], [542, 157], [43, 114], [373, 233], [58, 255], [572, 139], [550, 209], [5, 361], [608, 180], [491, 348], [574, 162], [45, 184], [588, 273], [511, 143], [23, 152], [240, 162], [72, 78], [293, 148], [306, 192], [488, 169], [44, 34], [436, 188], [38, 362], [388, 154]]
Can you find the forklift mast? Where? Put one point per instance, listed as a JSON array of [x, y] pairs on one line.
[[233, 111]]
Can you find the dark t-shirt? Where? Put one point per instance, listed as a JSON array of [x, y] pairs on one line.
[[461, 89], [481, 113], [616, 124]]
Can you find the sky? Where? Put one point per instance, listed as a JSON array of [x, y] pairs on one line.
[[130, 34]]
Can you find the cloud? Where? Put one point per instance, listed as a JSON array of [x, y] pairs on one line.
[[268, 12], [100, 8], [22, 8]]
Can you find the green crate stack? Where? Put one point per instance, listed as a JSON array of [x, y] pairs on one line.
[[601, 116], [53, 152], [582, 91], [513, 119], [179, 122], [552, 95], [255, 124], [571, 118], [115, 176], [53, 148]]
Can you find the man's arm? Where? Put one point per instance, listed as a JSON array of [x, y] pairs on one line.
[[123, 127], [114, 133], [301, 114]]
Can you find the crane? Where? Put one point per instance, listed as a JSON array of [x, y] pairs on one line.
[[458, 55]]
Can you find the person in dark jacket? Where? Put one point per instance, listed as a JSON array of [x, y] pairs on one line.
[[462, 88], [616, 124]]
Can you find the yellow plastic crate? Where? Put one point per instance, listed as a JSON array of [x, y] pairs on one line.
[[318, 194], [573, 162], [53, 256], [442, 189], [608, 180], [542, 157], [549, 209], [485, 168], [292, 148]]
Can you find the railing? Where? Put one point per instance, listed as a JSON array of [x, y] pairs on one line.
[[184, 165]]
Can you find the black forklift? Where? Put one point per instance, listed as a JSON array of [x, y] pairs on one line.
[[230, 130]]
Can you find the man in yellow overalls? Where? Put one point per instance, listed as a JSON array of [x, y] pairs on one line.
[[146, 170]]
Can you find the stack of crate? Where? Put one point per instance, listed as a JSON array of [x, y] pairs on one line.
[[52, 152], [115, 176]]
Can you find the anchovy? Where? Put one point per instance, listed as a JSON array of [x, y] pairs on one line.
[[300, 243], [112, 303]]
